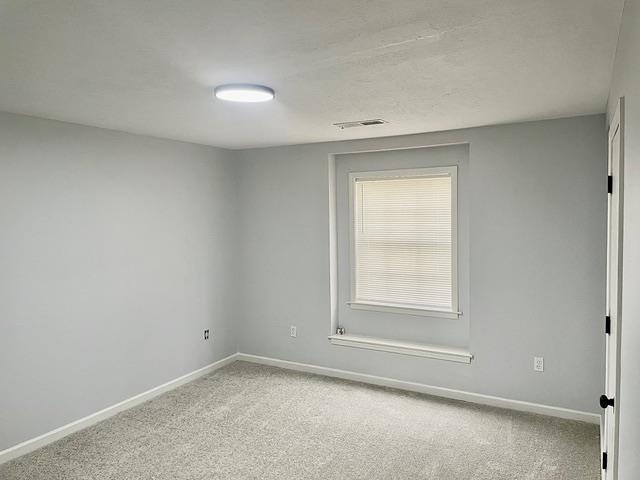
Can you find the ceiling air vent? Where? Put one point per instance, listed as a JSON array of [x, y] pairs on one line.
[[360, 123]]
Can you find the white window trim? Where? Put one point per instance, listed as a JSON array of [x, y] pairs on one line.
[[405, 309], [420, 310], [404, 348]]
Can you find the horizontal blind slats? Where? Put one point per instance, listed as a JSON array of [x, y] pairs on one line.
[[403, 241]]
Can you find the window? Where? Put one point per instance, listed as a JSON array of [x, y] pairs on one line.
[[403, 241]]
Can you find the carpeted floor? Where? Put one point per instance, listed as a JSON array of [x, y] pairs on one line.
[[248, 421]]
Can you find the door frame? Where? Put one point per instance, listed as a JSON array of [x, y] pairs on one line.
[[616, 126]]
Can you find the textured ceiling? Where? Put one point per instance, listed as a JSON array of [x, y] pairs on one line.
[[148, 66]]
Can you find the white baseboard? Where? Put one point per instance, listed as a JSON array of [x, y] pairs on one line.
[[428, 389], [49, 437]]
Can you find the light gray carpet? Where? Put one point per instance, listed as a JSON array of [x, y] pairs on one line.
[[249, 421]]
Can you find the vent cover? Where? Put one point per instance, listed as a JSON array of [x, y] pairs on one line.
[[360, 123]]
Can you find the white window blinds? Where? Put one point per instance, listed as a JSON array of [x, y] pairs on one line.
[[404, 239]]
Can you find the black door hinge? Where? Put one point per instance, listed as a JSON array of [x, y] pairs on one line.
[[607, 325], [610, 184], [604, 460]]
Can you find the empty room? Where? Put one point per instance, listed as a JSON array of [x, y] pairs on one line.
[[334, 240]]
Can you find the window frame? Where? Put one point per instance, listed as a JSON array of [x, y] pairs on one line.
[[390, 307]]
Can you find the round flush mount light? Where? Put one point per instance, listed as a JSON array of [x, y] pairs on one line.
[[244, 92]]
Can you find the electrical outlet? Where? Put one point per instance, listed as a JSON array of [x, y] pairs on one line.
[[206, 334], [293, 331], [538, 364]]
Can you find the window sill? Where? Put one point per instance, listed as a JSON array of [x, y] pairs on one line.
[[405, 348], [391, 308]]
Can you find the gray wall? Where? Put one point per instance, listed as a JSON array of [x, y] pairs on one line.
[[626, 82], [537, 228], [116, 252]]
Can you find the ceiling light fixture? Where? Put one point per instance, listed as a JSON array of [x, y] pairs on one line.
[[244, 92]]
